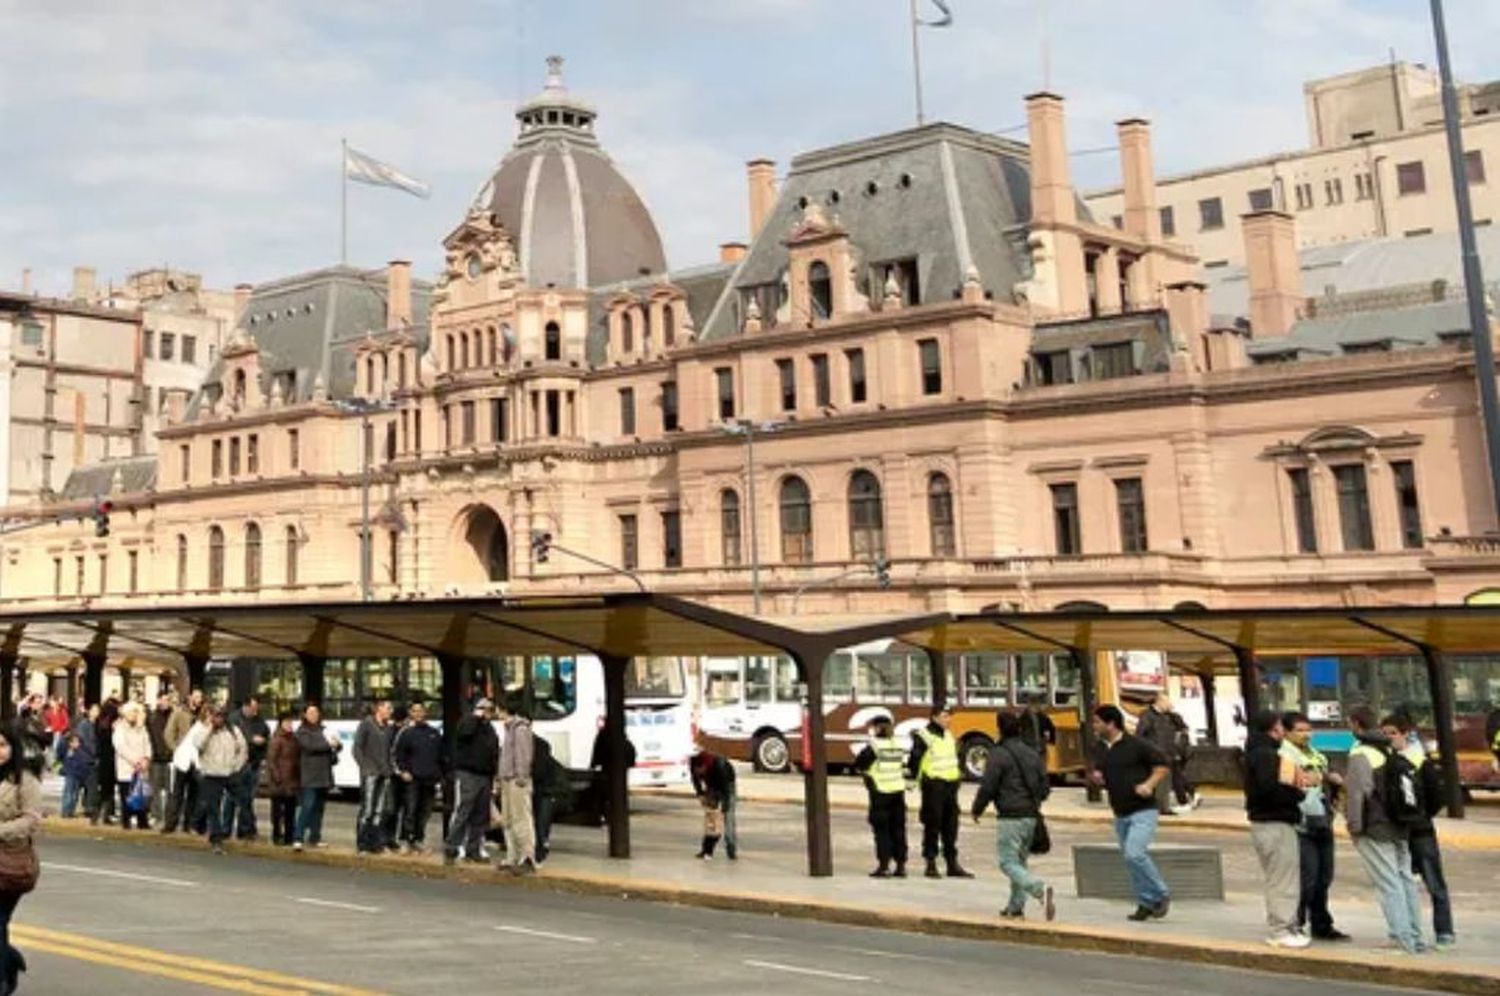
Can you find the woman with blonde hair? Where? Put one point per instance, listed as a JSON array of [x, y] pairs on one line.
[[132, 743]]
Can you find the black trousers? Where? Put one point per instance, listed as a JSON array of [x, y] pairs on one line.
[[283, 819], [1181, 787], [417, 798], [542, 809], [939, 819], [184, 804], [214, 789], [1317, 877], [888, 821]]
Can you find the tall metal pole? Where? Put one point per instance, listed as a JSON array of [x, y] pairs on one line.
[[343, 202], [364, 513], [754, 512], [1479, 325], [916, 61]]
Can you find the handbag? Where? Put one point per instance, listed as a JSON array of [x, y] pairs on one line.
[[139, 799], [1041, 837], [713, 822], [19, 869]]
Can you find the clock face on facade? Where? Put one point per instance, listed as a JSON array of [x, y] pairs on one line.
[[473, 267]]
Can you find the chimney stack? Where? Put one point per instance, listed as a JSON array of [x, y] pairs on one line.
[[732, 252], [26, 280], [398, 294], [241, 301], [1275, 274], [1051, 187], [84, 283], [762, 176], [1140, 216]]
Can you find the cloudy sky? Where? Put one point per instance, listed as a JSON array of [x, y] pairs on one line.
[[204, 134]]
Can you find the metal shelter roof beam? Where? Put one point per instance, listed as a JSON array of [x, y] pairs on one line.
[[115, 634], [213, 626], [379, 635], [531, 631], [1033, 635]]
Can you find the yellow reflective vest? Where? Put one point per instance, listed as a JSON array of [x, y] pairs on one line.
[[888, 773], [940, 759]]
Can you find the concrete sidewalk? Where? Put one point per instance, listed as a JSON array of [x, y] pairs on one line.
[[1220, 810], [770, 878]]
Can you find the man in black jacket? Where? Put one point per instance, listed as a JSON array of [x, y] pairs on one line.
[[1426, 857], [241, 797], [476, 758], [1273, 799], [1015, 780], [419, 762]]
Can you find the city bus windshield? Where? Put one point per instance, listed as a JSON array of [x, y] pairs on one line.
[[655, 678]]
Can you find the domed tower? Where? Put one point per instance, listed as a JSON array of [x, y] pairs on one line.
[[575, 221]]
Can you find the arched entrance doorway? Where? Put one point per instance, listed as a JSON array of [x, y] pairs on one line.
[[483, 550]]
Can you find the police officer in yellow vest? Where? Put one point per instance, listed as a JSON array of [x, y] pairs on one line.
[[882, 762], [934, 761]]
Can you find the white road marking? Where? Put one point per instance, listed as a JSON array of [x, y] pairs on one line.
[[758, 937], [332, 904], [550, 935], [820, 973], [1118, 984], [895, 955], [111, 873]]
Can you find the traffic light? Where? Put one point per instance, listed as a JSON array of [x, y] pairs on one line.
[[541, 543], [882, 572], [102, 508]]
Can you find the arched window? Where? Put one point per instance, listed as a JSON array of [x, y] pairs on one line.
[[463, 350], [291, 556], [370, 375], [492, 357], [820, 289], [215, 559], [452, 353], [729, 526], [385, 371], [796, 522], [239, 388], [553, 342], [182, 562], [940, 515], [866, 520], [507, 342], [627, 332], [252, 557], [646, 330], [668, 324], [401, 369]]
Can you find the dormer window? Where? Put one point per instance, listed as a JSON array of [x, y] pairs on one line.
[[820, 290], [239, 388], [669, 323], [627, 332]]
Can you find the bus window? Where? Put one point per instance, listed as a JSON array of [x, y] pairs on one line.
[[654, 678], [278, 685], [786, 680], [921, 679], [379, 680], [341, 689], [1356, 684], [987, 679], [1280, 684], [758, 680], [721, 683], [1065, 681], [1403, 688], [424, 681], [1032, 678], [554, 687], [1476, 684], [880, 677], [838, 677]]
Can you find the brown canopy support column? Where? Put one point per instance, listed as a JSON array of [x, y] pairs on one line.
[[7, 686], [810, 663], [616, 768], [1249, 670], [312, 679], [93, 678], [1088, 694], [197, 668], [452, 669], [937, 662], [125, 676], [1210, 708], [1440, 678], [74, 689]]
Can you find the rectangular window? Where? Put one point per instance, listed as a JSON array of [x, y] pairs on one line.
[[133, 566], [554, 413], [671, 538], [57, 576], [822, 387], [1404, 473], [416, 430], [252, 454], [78, 575], [148, 343], [1065, 519], [1168, 221], [293, 449], [186, 456], [234, 456], [627, 411], [1113, 360], [1304, 196], [168, 344], [932, 366], [786, 377], [103, 573], [1364, 187], [1260, 199], [857, 390], [1302, 510], [1054, 368], [1411, 178], [1210, 214], [216, 466], [1333, 191], [189, 349], [1474, 166], [629, 543], [466, 421], [724, 380], [1130, 498], [499, 419], [1354, 507], [669, 406]]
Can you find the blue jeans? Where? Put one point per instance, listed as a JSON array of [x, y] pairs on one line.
[[1135, 833], [238, 813], [71, 792], [1013, 843], [310, 815], [1427, 862], [1388, 863]]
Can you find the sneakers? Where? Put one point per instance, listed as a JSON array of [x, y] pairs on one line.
[[526, 867], [957, 870], [1161, 909], [1049, 904], [1289, 939], [297, 845], [1446, 942], [1332, 934], [1008, 914], [218, 848], [1157, 912]]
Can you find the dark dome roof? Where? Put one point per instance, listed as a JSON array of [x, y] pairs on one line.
[[575, 220]]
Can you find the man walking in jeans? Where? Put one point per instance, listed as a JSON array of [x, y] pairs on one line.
[[476, 757], [1273, 800], [1426, 857], [372, 753], [1132, 768], [1381, 841]]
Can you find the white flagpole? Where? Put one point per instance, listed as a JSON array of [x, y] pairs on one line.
[[916, 61], [343, 202]]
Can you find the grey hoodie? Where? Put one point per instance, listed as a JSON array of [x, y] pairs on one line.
[[1363, 807]]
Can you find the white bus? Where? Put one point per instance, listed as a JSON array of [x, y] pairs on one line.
[[563, 695]]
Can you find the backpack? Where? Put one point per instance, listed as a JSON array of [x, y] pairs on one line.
[[1401, 791]]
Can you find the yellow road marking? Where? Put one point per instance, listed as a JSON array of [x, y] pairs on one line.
[[236, 978]]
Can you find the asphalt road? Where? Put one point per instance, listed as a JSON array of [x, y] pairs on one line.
[[122, 919]]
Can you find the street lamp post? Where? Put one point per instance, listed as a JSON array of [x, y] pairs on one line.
[[747, 428]]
